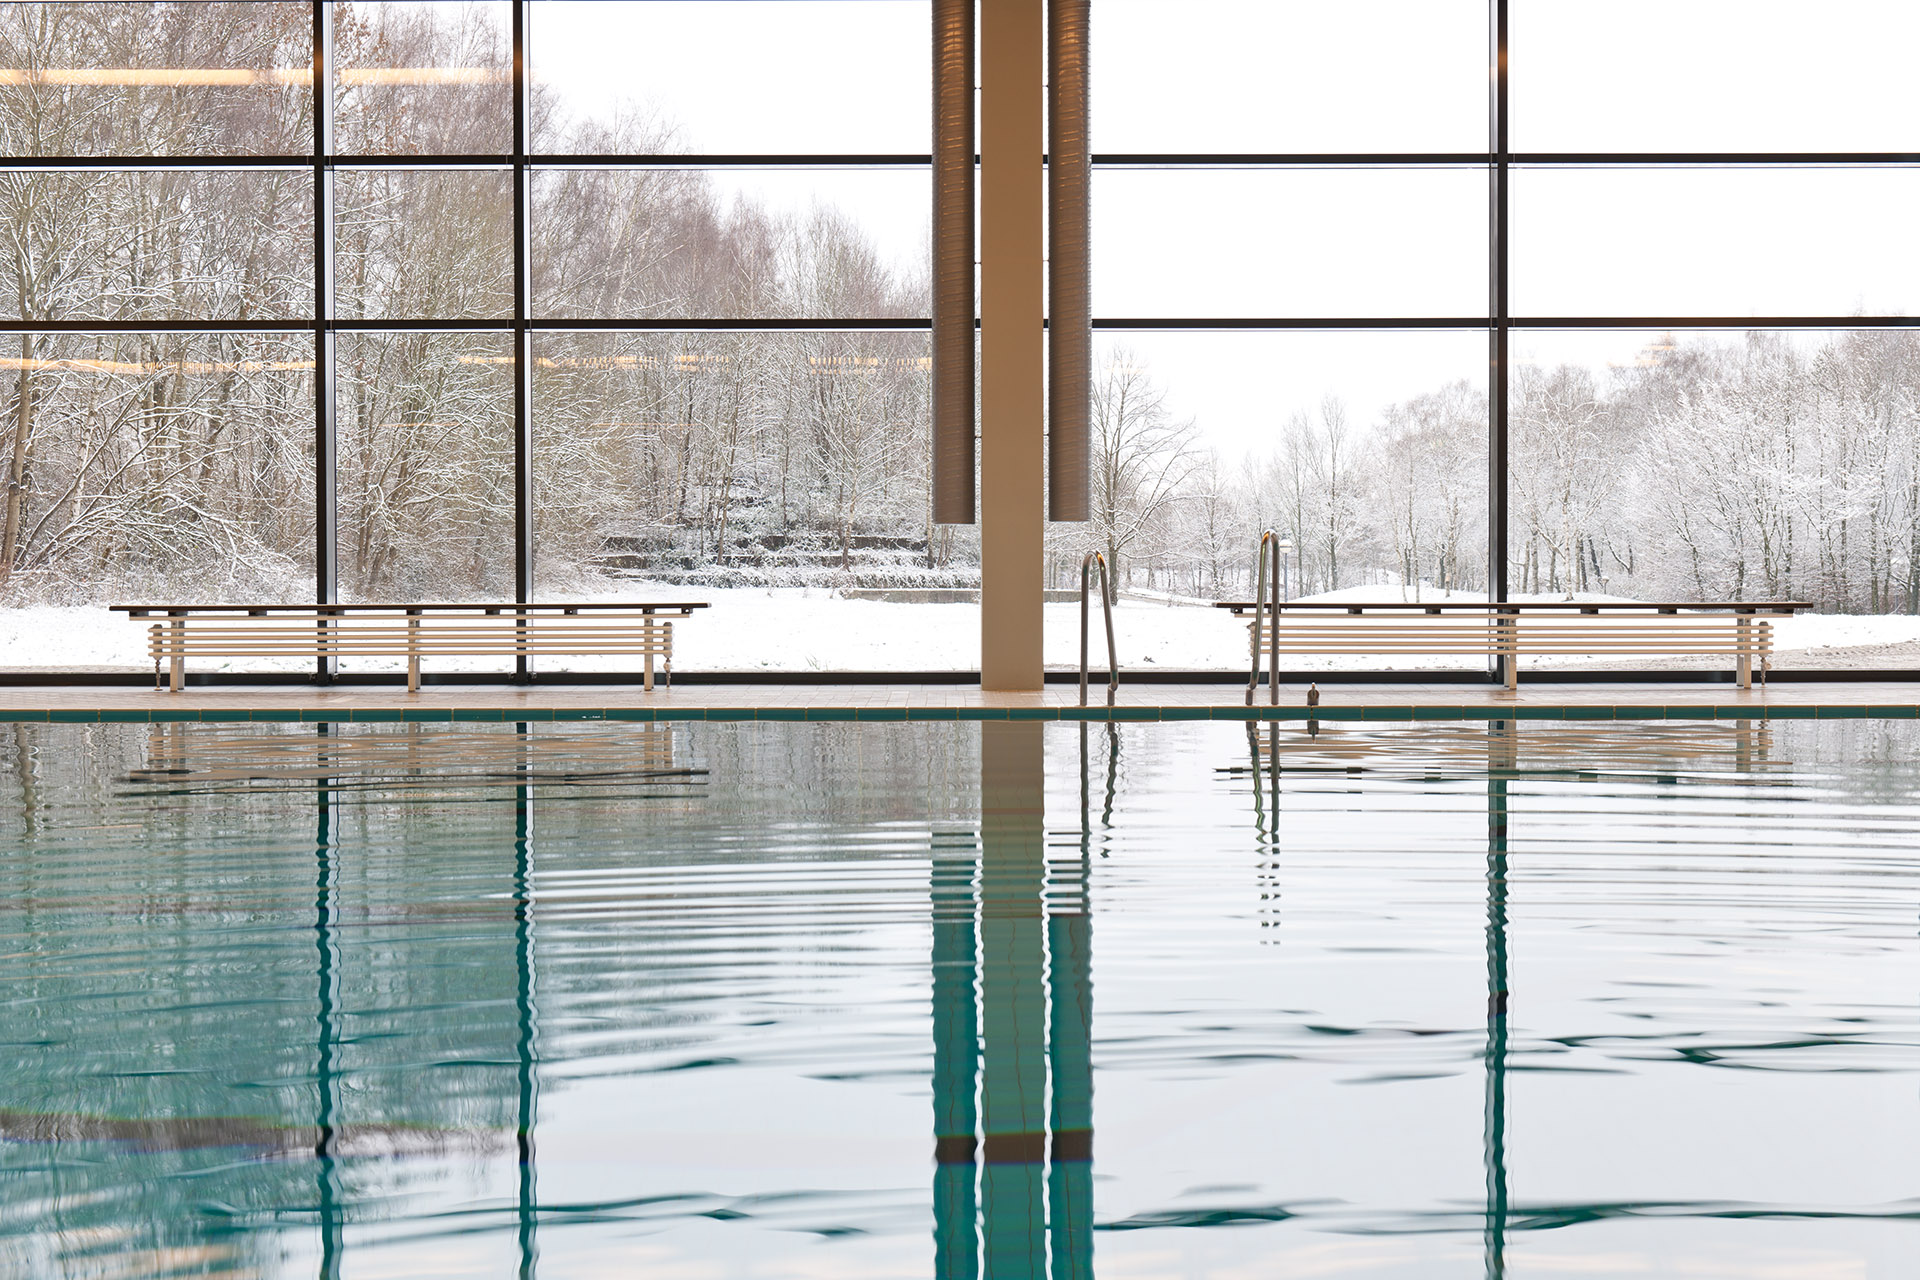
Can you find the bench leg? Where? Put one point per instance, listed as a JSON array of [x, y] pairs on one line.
[[647, 680], [1743, 642], [177, 668], [413, 654]]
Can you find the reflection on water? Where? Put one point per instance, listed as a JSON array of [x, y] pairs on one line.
[[1437, 1000]]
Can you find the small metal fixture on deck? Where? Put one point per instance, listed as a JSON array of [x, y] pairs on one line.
[[1313, 695], [1106, 606]]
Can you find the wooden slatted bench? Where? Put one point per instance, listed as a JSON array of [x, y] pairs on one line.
[[1738, 630], [410, 631]]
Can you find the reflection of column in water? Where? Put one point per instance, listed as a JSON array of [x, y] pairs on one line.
[[326, 1166], [1013, 998], [528, 1200], [956, 1059], [1502, 758], [1070, 1050]]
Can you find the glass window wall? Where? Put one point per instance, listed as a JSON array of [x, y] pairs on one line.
[[1313, 224]]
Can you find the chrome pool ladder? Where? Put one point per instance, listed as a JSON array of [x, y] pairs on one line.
[[1264, 567], [1106, 607]]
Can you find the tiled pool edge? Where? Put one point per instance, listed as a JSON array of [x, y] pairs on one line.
[[1406, 713]]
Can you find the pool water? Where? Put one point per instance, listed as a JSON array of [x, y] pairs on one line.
[[961, 1000]]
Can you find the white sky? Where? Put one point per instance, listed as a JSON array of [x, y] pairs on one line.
[[1362, 75]]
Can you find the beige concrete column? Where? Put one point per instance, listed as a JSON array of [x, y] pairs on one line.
[[1012, 350]]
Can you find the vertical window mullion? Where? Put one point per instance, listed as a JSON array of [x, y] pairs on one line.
[[326, 560], [1498, 312], [522, 337]]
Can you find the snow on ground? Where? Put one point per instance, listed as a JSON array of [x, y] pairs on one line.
[[810, 629]]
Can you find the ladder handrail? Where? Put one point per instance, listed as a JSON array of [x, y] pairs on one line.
[[1106, 607], [1265, 566]]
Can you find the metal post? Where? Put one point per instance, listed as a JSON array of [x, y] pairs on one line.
[[1273, 633], [522, 339], [326, 550], [1499, 317]]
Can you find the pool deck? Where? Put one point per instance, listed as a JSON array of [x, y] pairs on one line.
[[879, 702]]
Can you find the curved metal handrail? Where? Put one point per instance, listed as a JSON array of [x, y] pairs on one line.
[[1106, 606], [1265, 566]]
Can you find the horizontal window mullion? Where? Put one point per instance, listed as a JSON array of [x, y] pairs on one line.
[[44, 164], [1425, 159], [679, 324], [1714, 322], [767, 161], [1257, 324], [1169, 160]]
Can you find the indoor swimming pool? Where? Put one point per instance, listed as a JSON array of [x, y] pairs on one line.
[[999, 1000]]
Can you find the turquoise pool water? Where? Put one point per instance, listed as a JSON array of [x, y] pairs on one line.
[[957, 1000]]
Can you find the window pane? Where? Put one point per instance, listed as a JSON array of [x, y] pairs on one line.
[[157, 468], [728, 244], [423, 79], [435, 245], [425, 466], [88, 79], [1704, 466], [1367, 451], [764, 472], [1713, 75], [749, 77], [1313, 242], [1714, 242], [157, 246], [1217, 76]]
